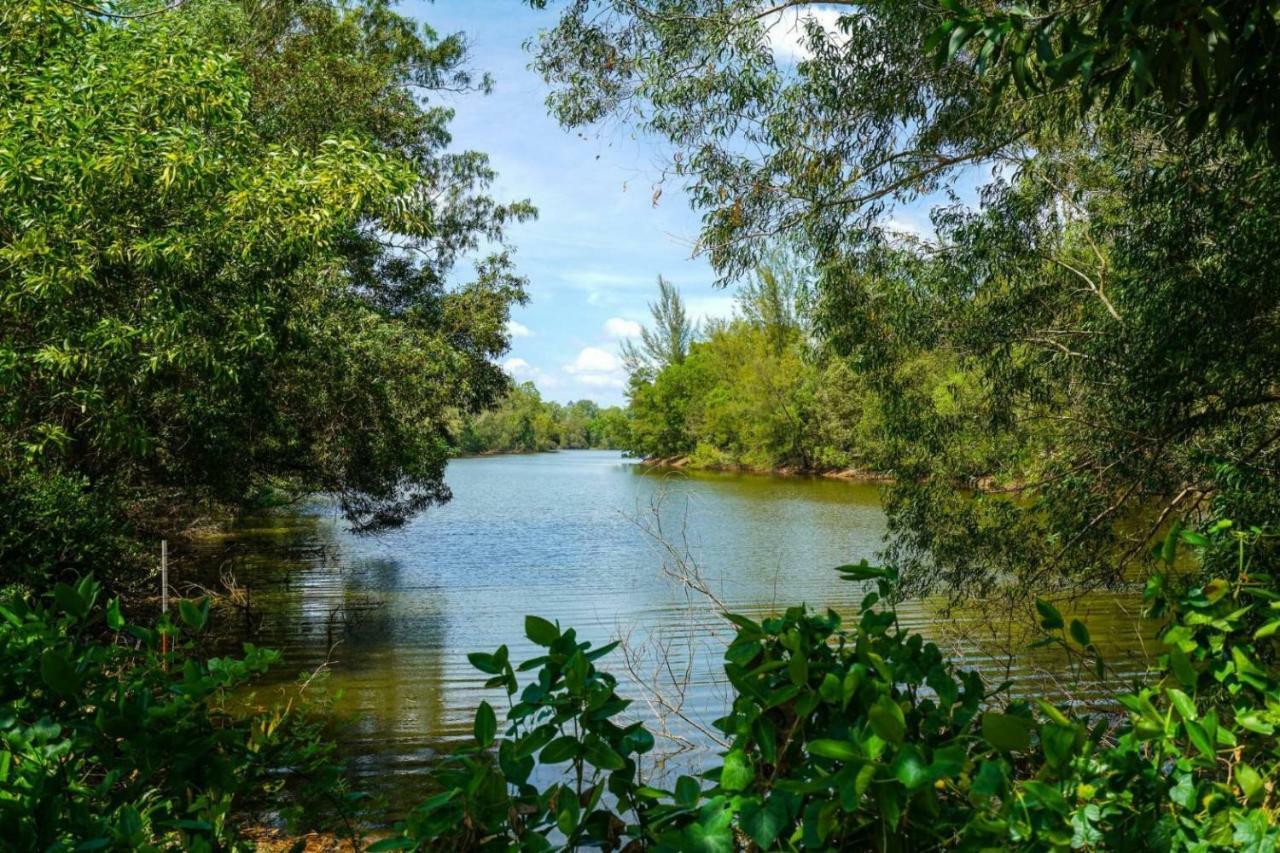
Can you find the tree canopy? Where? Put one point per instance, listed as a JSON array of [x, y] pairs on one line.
[[229, 239], [1058, 364]]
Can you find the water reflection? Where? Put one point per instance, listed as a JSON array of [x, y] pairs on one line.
[[581, 537]]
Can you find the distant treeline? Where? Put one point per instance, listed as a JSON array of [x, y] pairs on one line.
[[525, 423]]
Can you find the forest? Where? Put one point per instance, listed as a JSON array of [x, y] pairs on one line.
[[242, 263], [525, 423]]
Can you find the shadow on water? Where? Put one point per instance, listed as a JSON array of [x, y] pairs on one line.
[[571, 536]]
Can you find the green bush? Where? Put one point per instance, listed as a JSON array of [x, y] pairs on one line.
[[106, 742], [863, 736], [54, 524], [841, 735]]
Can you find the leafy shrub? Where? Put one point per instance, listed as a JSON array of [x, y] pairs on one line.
[[107, 742], [54, 524], [864, 737]]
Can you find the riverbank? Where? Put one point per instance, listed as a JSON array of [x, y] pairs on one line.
[[483, 454], [856, 475]]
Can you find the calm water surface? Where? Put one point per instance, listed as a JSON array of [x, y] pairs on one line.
[[578, 536]]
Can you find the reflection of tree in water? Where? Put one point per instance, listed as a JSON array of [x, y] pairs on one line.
[[297, 591], [391, 672]]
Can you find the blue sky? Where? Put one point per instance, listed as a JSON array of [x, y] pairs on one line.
[[600, 241], [594, 253]]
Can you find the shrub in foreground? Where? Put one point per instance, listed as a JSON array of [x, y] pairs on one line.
[[107, 742], [840, 735], [862, 736]]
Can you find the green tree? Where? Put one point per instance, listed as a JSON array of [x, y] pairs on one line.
[[525, 423], [1209, 66], [1090, 350], [210, 286], [667, 341]]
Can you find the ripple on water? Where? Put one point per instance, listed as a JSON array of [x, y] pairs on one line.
[[571, 536]]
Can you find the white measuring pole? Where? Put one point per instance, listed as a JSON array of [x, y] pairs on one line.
[[164, 575]]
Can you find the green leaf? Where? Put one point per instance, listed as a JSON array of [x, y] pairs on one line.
[[115, 619], [989, 781], [1182, 668], [194, 614], [798, 670], [10, 617], [1184, 792], [58, 673], [1079, 632], [764, 823], [737, 773], [959, 37], [1006, 732], [687, 791], [485, 662], [840, 750], [1181, 701], [1059, 743], [861, 572], [887, 721], [1053, 713], [561, 749], [910, 769], [1249, 781], [1254, 723], [486, 725], [569, 812], [1199, 738], [713, 832], [601, 755], [1267, 630], [1050, 618], [70, 601], [540, 631]]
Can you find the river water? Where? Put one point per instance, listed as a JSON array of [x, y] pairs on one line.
[[592, 540]]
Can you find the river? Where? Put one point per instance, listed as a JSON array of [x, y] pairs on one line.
[[581, 537]]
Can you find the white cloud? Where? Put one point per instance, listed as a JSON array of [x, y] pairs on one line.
[[515, 365], [591, 279], [597, 368], [522, 371], [617, 327], [518, 330], [605, 287], [787, 31], [903, 225], [594, 360]]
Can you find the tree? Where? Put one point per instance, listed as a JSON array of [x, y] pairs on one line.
[[1208, 66], [211, 288], [667, 342], [1053, 375], [769, 146], [775, 298]]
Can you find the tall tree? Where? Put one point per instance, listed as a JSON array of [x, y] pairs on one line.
[[667, 341], [1092, 347], [775, 298], [210, 286]]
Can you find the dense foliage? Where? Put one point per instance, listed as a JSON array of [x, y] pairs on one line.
[[109, 741], [1090, 343], [1212, 65], [756, 391], [864, 737], [525, 423], [229, 240], [226, 234]]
